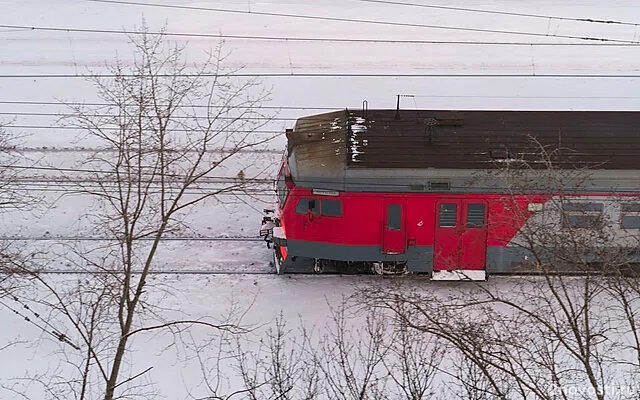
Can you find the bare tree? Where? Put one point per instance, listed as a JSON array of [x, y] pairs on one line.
[[165, 128], [351, 358], [10, 196], [14, 196], [414, 362], [357, 355], [280, 366]]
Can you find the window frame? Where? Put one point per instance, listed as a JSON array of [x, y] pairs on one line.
[[455, 215], [315, 211], [318, 209], [336, 201], [484, 216], [397, 219], [631, 210], [282, 190], [583, 209]]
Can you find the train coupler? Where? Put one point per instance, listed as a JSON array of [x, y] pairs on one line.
[[266, 230]]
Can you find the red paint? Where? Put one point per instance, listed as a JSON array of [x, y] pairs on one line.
[[459, 242], [447, 239], [473, 240], [365, 222]]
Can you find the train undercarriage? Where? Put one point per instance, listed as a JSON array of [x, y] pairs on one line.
[[275, 238], [307, 265]]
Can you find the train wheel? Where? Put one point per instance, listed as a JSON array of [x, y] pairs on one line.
[[389, 268], [378, 268], [277, 259], [318, 267]]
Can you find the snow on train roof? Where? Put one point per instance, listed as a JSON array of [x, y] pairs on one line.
[[467, 139], [389, 144]]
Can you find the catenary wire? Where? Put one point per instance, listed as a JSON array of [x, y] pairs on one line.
[[333, 75], [231, 178], [376, 186], [60, 103], [361, 21], [84, 149], [44, 114], [507, 13], [54, 332], [49, 238], [454, 191], [315, 39], [93, 171], [265, 132], [285, 107], [239, 192]]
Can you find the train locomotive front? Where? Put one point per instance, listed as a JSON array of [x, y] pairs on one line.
[[425, 191]]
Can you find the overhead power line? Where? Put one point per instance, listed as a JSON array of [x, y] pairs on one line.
[[116, 128], [312, 39], [122, 171], [45, 114], [508, 13], [47, 327], [60, 103], [250, 182], [325, 75], [249, 190], [319, 108], [359, 21]]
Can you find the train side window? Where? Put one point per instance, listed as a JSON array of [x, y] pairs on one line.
[[630, 218], [394, 217], [306, 205], [475, 215], [582, 215], [331, 208], [448, 215]]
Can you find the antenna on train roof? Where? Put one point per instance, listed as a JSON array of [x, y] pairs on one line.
[[398, 103]]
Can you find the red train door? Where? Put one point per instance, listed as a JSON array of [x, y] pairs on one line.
[[394, 232], [460, 241], [473, 241]]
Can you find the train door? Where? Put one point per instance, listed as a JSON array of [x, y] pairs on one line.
[[460, 241], [473, 248], [394, 230]]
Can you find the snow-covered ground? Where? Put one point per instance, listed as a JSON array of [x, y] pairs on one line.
[[32, 103]]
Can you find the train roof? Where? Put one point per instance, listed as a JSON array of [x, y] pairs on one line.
[[337, 144]]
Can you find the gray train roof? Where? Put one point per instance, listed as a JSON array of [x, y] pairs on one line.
[[418, 147]]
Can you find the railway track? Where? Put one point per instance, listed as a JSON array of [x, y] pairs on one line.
[[74, 180], [175, 238], [267, 271], [79, 184], [233, 267], [224, 187], [53, 149]]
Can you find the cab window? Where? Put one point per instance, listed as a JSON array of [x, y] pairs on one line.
[[324, 207], [308, 205], [282, 188], [331, 208]]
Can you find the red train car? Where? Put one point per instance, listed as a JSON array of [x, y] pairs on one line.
[[450, 193]]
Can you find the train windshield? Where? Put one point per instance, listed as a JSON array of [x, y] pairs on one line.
[[282, 188]]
